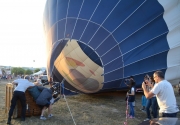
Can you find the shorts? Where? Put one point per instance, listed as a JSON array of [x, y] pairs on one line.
[[46, 105]]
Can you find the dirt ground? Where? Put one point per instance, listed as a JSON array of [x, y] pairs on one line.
[[96, 109]]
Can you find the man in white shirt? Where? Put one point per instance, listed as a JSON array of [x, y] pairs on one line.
[[165, 95], [19, 94]]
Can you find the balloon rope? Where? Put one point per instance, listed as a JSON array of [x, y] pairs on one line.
[[67, 102], [125, 123]]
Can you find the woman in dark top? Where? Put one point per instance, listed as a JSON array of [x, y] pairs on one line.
[[131, 98]]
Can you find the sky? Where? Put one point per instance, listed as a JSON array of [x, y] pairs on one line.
[[22, 37]]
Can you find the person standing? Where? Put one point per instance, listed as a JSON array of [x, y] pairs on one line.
[[19, 94], [131, 78], [165, 95], [143, 98], [131, 98], [152, 102]]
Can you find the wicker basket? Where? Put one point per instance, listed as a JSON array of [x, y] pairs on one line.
[[31, 110]]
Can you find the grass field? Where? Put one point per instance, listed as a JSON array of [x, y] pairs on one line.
[[96, 109]]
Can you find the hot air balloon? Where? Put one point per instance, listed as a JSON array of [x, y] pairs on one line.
[[96, 44]]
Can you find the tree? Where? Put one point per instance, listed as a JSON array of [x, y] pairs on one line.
[[18, 71], [28, 72], [36, 70]]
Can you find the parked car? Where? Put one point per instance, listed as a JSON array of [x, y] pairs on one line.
[[43, 78]]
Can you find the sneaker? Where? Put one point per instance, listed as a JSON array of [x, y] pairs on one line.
[[43, 118], [146, 119], [143, 110], [131, 117], [50, 115]]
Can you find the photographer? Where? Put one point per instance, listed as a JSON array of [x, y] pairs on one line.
[[165, 95], [149, 81]]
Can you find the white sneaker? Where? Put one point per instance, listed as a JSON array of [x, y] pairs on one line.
[[146, 119], [50, 115], [42, 118]]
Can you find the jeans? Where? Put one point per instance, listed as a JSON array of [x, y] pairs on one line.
[[154, 107], [21, 96], [148, 105], [152, 102], [131, 109], [143, 100]]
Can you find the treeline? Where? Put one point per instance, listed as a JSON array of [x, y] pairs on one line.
[[21, 71]]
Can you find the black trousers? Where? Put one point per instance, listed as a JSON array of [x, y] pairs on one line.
[[168, 114], [18, 95]]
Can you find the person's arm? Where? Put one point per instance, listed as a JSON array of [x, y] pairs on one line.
[[31, 85], [146, 93], [150, 84], [132, 92], [15, 82]]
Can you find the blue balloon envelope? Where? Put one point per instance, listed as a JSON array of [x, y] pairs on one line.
[[95, 44]]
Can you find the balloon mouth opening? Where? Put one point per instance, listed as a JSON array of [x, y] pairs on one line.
[[90, 53]]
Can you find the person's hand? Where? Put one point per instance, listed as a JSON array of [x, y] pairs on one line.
[[148, 83], [153, 122], [143, 85]]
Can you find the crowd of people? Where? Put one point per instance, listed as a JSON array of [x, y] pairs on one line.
[[158, 93], [6, 77]]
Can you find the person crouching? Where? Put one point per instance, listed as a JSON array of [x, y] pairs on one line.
[[42, 97], [43, 100]]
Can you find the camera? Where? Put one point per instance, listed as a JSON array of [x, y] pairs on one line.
[[146, 77]]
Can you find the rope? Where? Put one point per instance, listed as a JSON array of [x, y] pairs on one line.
[[62, 85], [125, 123]]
